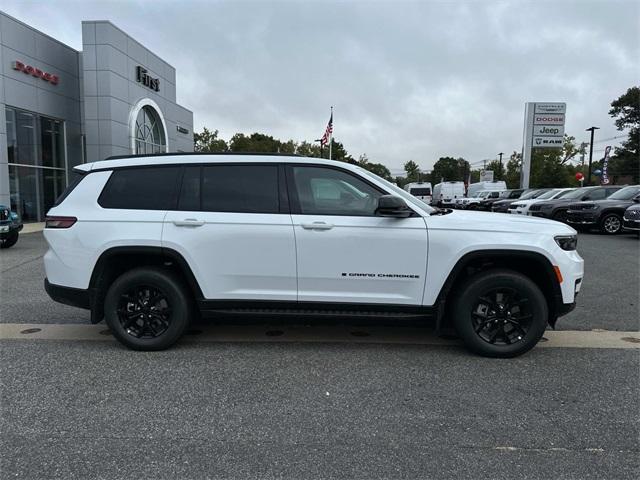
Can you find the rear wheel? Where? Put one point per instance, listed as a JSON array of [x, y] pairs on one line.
[[500, 313], [611, 224], [147, 309], [10, 241]]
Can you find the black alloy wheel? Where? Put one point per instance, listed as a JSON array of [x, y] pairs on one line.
[[148, 308], [499, 313], [144, 312], [501, 317]]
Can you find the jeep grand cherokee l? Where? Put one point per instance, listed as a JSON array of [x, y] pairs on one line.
[[606, 214], [149, 242], [557, 209]]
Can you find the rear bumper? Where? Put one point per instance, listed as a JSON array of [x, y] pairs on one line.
[[75, 297]]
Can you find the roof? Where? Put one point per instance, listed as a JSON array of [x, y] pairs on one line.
[[198, 158]]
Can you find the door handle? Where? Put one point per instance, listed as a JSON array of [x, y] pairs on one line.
[[188, 222], [317, 226]]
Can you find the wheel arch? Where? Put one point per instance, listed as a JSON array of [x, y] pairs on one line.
[[115, 261], [534, 265]]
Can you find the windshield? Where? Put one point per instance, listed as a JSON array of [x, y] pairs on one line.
[[482, 194], [549, 194], [627, 193], [578, 193], [563, 194], [398, 191], [528, 195], [420, 191]]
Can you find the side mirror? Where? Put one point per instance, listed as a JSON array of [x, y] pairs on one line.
[[392, 206]]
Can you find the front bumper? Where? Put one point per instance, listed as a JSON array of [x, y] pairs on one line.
[[582, 218], [8, 229], [631, 225]]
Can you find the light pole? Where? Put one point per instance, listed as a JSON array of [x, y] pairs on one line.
[[592, 130]]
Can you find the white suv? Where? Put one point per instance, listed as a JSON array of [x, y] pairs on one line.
[[149, 242]]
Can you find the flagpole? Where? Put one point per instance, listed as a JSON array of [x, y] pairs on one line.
[[331, 134]]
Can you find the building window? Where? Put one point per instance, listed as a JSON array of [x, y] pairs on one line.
[[37, 163], [149, 132]]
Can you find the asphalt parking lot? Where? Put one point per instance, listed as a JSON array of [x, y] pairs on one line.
[[321, 409]]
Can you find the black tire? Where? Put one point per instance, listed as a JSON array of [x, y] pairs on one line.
[[560, 216], [10, 241], [148, 308], [515, 328], [611, 224]]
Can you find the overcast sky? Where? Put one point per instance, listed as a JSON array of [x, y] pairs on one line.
[[415, 80]]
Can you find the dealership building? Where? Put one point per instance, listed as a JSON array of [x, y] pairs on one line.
[[60, 107]]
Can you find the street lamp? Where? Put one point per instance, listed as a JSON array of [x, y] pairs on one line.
[[592, 130]]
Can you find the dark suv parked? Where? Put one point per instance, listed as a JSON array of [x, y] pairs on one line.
[[487, 203], [10, 225], [502, 205], [631, 218], [604, 214], [557, 209]]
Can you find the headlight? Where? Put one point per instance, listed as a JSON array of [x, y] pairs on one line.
[[567, 242]]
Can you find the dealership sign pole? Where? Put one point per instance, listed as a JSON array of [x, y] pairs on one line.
[[543, 128]]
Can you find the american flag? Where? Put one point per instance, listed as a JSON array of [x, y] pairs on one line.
[[327, 133]]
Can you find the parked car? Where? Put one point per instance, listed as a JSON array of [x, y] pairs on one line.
[[486, 204], [538, 193], [10, 226], [502, 206], [607, 214], [521, 207], [445, 193], [557, 209], [149, 242], [631, 218], [475, 188], [421, 190], [473, 202]]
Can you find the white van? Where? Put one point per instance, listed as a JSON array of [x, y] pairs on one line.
[[477, 187], [445, 193], [421, 190]]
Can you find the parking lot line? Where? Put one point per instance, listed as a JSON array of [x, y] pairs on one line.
[[314, 334]]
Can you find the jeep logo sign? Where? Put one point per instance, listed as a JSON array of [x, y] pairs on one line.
[[548, 131], [143, 77]]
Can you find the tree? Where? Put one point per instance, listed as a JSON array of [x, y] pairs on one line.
[[413, 171], [626, 111], [307, 149], [512, 175], [377, 168], [497, 168], [450, 169], [208, 141]]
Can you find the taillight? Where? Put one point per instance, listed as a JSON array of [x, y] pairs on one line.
[[59, 222]]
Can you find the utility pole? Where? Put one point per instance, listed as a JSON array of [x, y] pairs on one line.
[[592, 130]]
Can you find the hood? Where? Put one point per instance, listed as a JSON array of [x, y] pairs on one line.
[[492, 222], [506, 201]]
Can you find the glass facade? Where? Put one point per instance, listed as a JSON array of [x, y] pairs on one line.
[[149, 132], [37, 163]]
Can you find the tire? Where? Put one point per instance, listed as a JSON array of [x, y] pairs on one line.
[[131, 297], [560, 216], [522, 320], [10, 241], [611, 224]]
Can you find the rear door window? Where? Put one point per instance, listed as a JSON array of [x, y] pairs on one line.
[[146, 188], [240, 188]]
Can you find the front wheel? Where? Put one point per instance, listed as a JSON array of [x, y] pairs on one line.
[[500, 313], [611, 224], [147, 308], [10, 241], [560, 216]]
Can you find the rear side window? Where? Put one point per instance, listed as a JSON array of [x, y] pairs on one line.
[[148, 188], [240, 188], [76, 178], [420, 192]]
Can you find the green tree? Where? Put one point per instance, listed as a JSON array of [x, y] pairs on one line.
[[497, 168], [208, 141], [307, 149], [413, 171], [512, 175], [377, 168], [450, 169], [626, 111]]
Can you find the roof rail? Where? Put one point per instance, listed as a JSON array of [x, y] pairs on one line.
[[173, 154]]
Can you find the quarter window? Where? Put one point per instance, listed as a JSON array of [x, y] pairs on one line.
[[327, 191], [152, 188]]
